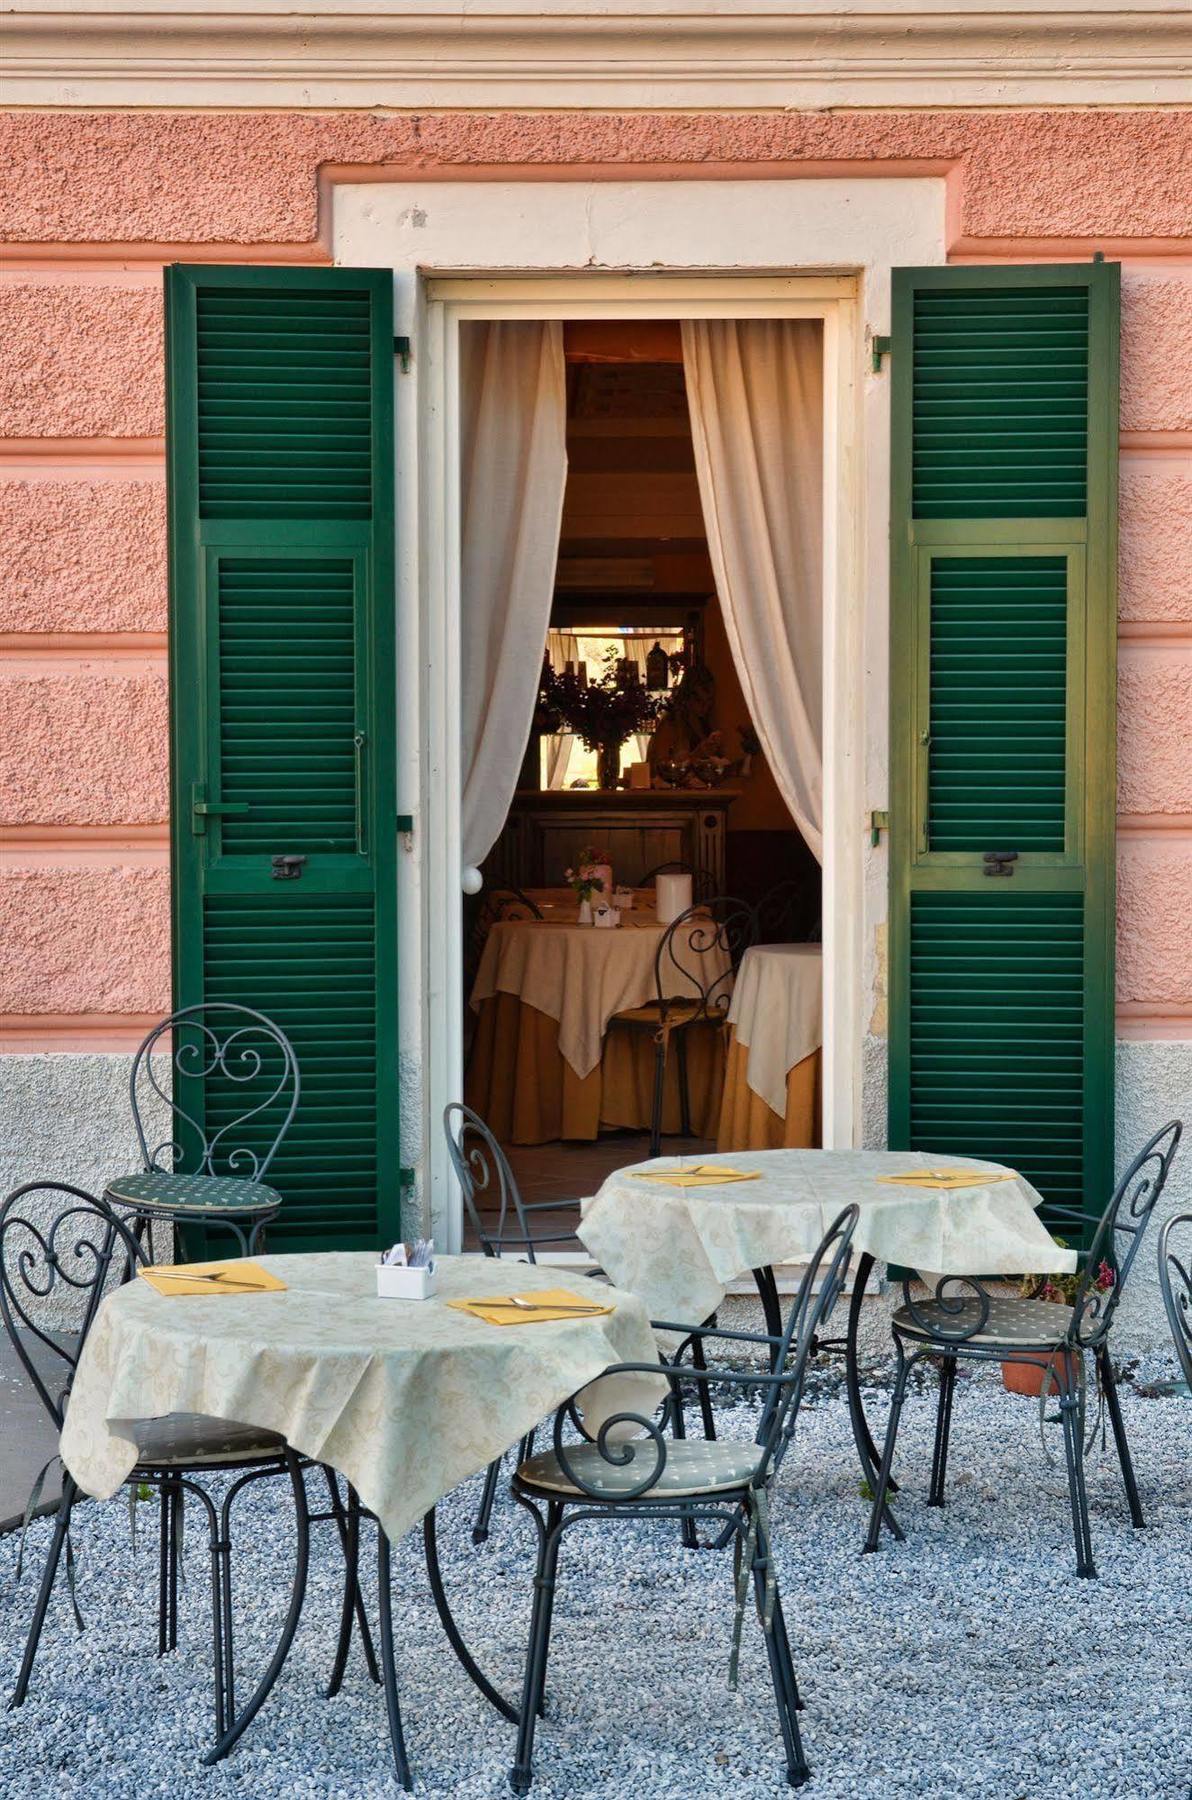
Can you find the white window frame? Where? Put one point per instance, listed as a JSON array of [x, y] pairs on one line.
[[800, 248], [832, 301]]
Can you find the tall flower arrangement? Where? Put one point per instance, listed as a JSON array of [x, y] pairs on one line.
[[603, 712]]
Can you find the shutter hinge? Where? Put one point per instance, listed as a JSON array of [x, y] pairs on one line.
[[878, 822], [879, 346], [405, 1179], [405, 830], [401, 349]]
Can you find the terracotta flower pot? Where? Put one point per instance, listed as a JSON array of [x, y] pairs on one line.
[[1027, 1377]]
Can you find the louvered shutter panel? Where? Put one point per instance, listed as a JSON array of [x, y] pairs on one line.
[[1003, 643], [280, 445]]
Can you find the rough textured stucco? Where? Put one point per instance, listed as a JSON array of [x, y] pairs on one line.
[[1154, 922], [81, 361], [1153, 1085], [1156, 352], [1155, 540], [93, 749], [52, 960], [1155, 730], [83, 556], [250, 177], [70, 1119]]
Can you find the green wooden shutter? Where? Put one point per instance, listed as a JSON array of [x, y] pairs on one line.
[[1003, 646], [280, 441]]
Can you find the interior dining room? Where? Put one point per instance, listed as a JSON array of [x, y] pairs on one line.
[[641, 682]]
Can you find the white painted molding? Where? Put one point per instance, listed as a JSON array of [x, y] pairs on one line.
[[492, 54]]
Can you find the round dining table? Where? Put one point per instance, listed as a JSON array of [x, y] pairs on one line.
[[403, 1398], [547, 1060], [678, 1230]]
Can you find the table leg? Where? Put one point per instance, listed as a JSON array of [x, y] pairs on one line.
[[767, 1289], [866, 1448], [471, 1668]]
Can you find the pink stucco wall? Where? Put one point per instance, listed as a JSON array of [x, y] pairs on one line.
[[97, 202]]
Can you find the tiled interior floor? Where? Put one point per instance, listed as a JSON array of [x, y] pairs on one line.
[[561, 1171]]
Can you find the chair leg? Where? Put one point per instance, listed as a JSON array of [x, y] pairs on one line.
[[169, 1553], [782, 1672], [164, 1515], [1114, 1406], [522, 1773], [487, 1500], [780, 1629], [684, 1085], [388, 1662], [873, 1540], [943, 1427], [705, 1398], [53, 1557], [656, 1106], [1074, 1457]]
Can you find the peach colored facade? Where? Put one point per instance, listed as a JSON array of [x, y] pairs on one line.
[[99, 201]]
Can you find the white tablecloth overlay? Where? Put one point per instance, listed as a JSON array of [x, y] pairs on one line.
[[581, 976], [680, 1247], [405, 1398], [777, 1012]]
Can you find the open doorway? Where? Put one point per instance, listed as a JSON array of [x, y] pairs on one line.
[[635, 610]]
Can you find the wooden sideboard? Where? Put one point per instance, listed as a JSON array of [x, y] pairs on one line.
[[546, 830]]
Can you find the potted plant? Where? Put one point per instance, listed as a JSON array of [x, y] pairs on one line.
[[1027, 1376], [603, 713]]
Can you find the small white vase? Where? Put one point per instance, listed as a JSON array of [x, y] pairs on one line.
[[585, 912]]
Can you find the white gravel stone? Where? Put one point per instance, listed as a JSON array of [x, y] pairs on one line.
[[967, 1664]]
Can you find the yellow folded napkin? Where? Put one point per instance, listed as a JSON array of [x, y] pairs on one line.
[[945, 1178], [546, 1304], [232, 1277], [700, 1175]]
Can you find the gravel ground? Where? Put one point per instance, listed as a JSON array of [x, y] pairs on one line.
[[967, 1664]]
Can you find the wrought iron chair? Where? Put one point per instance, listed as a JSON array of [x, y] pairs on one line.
[[695, 966], [965, 1322], [782, 915], [485, 1178], [55, 1267], [652, 1477], [1175, 1280], [212, 1171]]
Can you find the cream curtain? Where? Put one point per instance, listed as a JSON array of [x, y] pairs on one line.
[[755, 392], [638, 648], [563, 647], [513, 468]]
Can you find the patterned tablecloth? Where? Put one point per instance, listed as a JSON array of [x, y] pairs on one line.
[[404, 1398], [678, 1248]]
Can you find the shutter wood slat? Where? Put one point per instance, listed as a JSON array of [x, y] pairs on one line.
[[1004, 416], [280, 443]]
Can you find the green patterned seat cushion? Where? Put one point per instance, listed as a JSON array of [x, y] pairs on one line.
[[692, 1467], [193, 1438], [196, 1195], [1038, 1324]]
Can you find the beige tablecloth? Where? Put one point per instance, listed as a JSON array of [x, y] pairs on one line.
[[678, 1248], [405, 1398], [777, 1012], [581, 976]]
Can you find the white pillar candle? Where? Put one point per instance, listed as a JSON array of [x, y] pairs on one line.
[[672, 896]]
